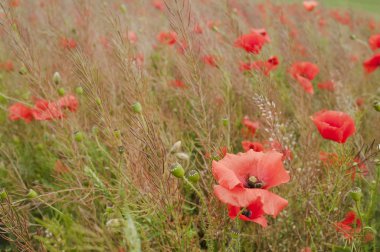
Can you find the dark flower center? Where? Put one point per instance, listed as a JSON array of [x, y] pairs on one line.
[[247, 213], [253, 182]]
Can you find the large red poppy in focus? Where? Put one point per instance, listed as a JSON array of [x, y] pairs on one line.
[[245, 177], [334, 125]]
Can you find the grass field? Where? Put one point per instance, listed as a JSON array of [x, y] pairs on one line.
[[189, 125]]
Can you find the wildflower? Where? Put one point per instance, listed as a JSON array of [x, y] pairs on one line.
[[372, 64], [168, 38], [334, 125], [374, 42], [310, 5], [328, 85], [178, 84], [349, 226], [254, 212], [262, 32], [7, 66], [158, 4], [245, 177], [198, 29], [250, 125], [68, 102], [68, 43], [359, 101], [132, 37], [251, 43], [358, 165], [209, 60], [19, 111], [255, 146], [304, 73], [45, 110]]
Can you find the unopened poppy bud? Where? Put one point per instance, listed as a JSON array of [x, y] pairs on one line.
[[23, 70], [3, 195], [57, 78], [117, 133], [61, 91], [182, 155], [32, 194], [194, 176], [353, 37], [176, 147], [356, 194], [98, 101], [78, 136], [376, 106], [123, 8], [177, 170], [136, 107], [79, 90], [225, 122]]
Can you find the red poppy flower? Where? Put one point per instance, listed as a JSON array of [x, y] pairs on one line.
[[198, 29], [209, 60], [349, 226], [359, 101], [45, 110], [262, 32], [7, 66], [328, 85], [19, 111], [304, 73], [251, 43], [357, 166], [132, 37], [158, 4], [334, 125], [310, 5], [178, 84], [169, 38], [14, 3], [68, 43], [255, 146], [68, 102], [328, 158], [254, 212], [372, 64], [250, 125], [245, 177], [374, 42]]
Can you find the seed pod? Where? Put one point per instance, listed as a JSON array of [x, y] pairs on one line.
[[177, 170], [61, 91], [356, 194], [182, 155], [57, 78], [136, 107], [32, 194], [3, 195], [79, 90], [78, 136], [23, 70], [376, 106], [194, 176]]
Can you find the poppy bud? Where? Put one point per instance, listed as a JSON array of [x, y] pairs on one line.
[[182, 155], [225, 122], [176, 147], [123, 8], [117, 133], [194, 176], [78, 136], [177, 170], [136, 107], [3, 195], [61, 91], [23, 70], [369, 234], [376, 106], [356, 194], [32, 194], [79, 90], [353, 37], [57, 78], [98, 101]]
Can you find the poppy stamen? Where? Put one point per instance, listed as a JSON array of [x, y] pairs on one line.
[[254, 182], [246, 213]]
